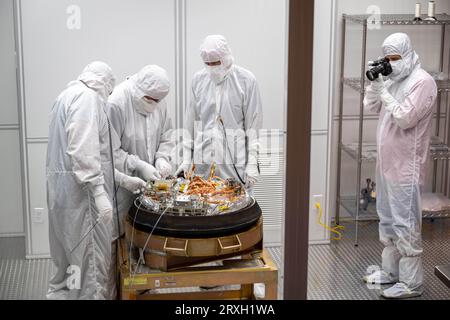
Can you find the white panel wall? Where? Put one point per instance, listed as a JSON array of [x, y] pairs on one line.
[[8, 93], [256, 33], [39, 222], [318, 186], [321, 100], [125, 34], [11, 216]]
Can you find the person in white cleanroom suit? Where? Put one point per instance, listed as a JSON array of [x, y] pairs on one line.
[[405, 103], [223, 118], [80, 186], [138, 112]]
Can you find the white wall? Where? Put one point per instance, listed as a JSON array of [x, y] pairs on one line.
[[256, 33], [129, 34], [321, 113], [327, 49], [11, 216], [125, 34]]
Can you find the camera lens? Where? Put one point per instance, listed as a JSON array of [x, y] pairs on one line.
[[371, 76]]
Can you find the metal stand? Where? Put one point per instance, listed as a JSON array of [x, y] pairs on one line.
[[363, 152]]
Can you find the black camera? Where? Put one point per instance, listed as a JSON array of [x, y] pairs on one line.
[[381, 66]]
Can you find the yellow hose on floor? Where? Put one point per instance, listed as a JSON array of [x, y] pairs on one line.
[[335, 230]]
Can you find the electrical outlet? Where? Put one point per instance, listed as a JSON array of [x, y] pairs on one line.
[[318, 198], [38, 215]]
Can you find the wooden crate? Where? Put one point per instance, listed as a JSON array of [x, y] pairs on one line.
[[246, 271]]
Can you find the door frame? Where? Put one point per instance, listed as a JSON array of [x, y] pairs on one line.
[[298, 148]]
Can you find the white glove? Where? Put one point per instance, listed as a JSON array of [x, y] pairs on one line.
[[389, 101], [132, 184], [185, 167], [163, 167], [147, 171], [104, 207], [378, 85], [251, 176]]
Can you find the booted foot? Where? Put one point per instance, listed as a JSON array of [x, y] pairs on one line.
[[400, 291], [379, 277]]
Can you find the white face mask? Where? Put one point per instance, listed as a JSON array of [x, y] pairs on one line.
[[217, 73], [145, 106], [398, 69]]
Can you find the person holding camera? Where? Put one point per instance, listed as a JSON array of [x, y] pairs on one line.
[[405, 104]]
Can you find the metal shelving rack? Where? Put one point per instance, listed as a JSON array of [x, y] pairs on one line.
[[366, 152]]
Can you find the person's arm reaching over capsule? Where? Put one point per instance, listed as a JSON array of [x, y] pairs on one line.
[[124, 161], [132, 184]]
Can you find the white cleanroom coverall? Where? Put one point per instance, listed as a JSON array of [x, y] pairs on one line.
[[79, 187], [144, 128], [405, 103], [223, 119]]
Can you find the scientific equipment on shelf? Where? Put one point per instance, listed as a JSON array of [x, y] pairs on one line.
[[368, 195], [431, 11], [431, 14], [418, 12]]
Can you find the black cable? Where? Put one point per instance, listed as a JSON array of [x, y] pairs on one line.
[[229, 151], [83, 237], [146, 243], [116, 188], [132, 231], [116, 205]]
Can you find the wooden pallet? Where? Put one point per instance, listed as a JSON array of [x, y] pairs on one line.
[[246, 271]]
